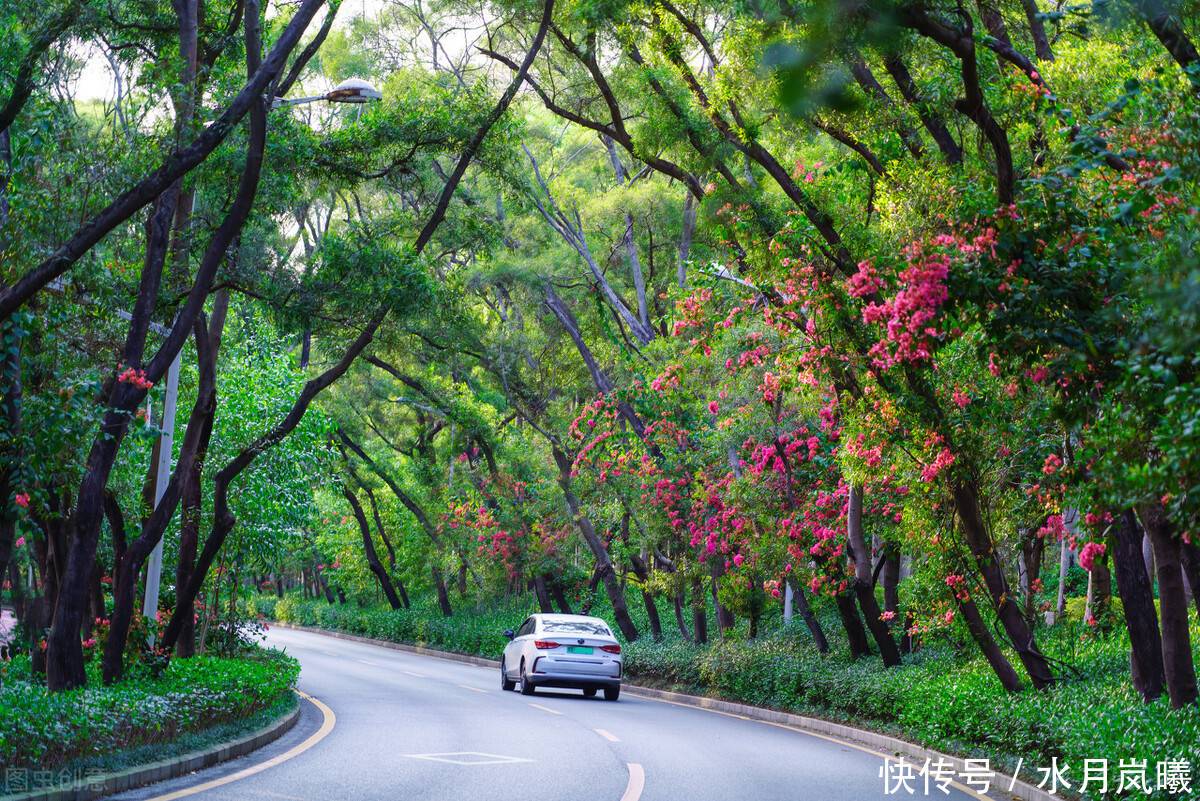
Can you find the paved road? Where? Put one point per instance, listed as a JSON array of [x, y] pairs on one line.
[[415, 727]]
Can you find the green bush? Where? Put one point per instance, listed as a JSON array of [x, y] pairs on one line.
[[49, 730]]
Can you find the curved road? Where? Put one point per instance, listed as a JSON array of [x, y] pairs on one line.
[[392, 725]]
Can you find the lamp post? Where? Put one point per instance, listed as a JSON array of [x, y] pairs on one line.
[[353, 90]]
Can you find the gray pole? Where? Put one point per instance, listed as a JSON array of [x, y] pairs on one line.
[[154, 563]]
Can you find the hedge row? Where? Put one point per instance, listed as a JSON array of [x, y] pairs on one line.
[[47, 731]]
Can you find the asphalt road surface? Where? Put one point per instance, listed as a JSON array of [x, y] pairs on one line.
[[385, 724]]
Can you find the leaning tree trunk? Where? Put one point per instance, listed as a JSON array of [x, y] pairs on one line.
[[1173, 608], [603, 562], [800, 599], [381, 574], [543, 595], [864, 585], [983, 549], [679, 621], [987, 645], [560, 597]]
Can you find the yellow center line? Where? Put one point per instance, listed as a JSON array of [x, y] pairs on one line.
[[637, 782], [372, 664], [476, 689], [918, 766], [410, 673], [612, 738], [546, 709], [316, 737]]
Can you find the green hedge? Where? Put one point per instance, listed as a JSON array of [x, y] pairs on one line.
[[475, 632], [50, 730]]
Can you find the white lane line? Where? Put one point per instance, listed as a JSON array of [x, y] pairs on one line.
[[637, 782], [329, 653], [468, 687], [320, 734], [410, 673], [372, 664], [546, 709], [612, 738]]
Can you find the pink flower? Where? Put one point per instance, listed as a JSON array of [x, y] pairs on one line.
[[1087, 557], [22, 500], [888, 615], [949, 615], [713, 407], [20, 541]]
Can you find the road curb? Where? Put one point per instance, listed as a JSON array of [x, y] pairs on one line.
[[85, 789], [1021, 791]]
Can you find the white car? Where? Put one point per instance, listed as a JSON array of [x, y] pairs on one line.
[[562, 651]]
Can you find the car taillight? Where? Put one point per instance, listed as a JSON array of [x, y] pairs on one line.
[[544, 645], [611, 649]]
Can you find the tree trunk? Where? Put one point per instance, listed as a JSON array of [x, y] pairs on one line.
[[543, 595], [987, 644], [1037, 28], [983, 549], [699, 612], [1064, 564], [683, 629], [891, 580], [856, 633], [1173, 609], [596, 545], [725, 619], [376, 567], [560, 597], [443, 595], [800, 599], [864, 586], [1191, 567], [1032, 554], [652, 613]]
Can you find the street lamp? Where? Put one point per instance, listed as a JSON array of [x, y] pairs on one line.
[[352, 90]]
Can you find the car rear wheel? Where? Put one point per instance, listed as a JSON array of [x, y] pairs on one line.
[[612, 693], [526, 684], [506, 683]]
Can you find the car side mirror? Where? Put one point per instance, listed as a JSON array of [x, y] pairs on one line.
[[509, 634]]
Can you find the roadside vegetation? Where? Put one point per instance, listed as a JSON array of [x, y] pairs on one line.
[[942, 695], [151, 710], [680, 311]]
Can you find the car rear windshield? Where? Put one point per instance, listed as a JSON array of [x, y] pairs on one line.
[[575, 627]]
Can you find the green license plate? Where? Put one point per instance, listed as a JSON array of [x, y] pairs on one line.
[[579, 649]]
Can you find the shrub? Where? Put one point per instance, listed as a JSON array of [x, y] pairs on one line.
[[46, 731]]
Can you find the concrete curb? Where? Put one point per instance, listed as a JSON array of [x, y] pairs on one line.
[[1021, 791], [85, 787]]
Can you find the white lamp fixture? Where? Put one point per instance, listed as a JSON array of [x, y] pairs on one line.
[[351, 90]]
